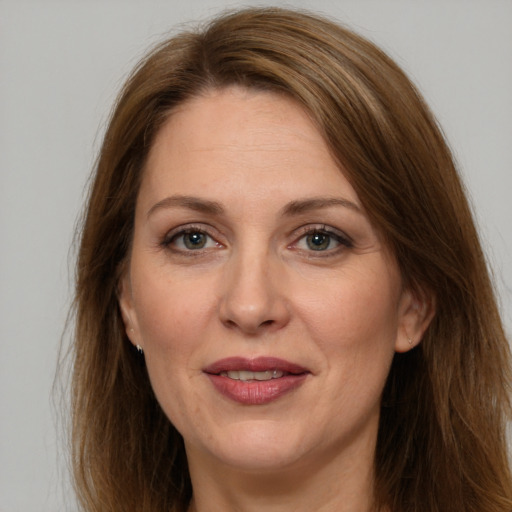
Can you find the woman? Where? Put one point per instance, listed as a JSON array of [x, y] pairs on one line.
[[282, 302]]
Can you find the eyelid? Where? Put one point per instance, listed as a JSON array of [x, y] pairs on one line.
[[321, 228], [190, 228], [343, 239]]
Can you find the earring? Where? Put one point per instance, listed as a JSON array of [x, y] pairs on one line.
[[138, 347], [409, 340]]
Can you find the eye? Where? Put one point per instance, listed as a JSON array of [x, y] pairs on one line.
[[194, 240], [189, 239], [318, 241], [322, 239]]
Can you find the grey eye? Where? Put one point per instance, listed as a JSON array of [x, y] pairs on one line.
[[195, 240], [318, 241], [190, 240]]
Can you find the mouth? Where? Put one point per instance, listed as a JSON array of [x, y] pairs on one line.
[[255, 381], [248, 376]]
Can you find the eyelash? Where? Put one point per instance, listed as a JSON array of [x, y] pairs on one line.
[[343, 241], [180, 232]]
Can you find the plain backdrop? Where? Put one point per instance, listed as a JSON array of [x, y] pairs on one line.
[[61, 64]]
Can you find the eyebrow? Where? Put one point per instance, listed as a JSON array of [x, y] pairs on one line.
[[289, 210], [317, 203], [190, 202]]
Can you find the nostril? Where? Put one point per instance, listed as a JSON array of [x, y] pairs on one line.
[[249, 327], [230, 323]]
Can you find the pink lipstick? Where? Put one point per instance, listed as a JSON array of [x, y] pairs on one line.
[[255, 381]]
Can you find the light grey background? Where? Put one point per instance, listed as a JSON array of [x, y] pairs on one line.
[[61, 64]]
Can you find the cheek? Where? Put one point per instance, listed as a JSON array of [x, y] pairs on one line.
[[352, 308], [354, 322], [355, 329], [172, 316], [172, 311]]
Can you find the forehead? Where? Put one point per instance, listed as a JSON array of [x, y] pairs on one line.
[[261, 142]]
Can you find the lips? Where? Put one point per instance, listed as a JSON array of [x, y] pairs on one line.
[[255, 381]]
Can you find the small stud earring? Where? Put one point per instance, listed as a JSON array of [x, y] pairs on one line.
[[409, 340], [139, 349]]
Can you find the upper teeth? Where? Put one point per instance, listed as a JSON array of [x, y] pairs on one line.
[[247, 375]]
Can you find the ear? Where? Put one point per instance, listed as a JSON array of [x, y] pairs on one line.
[[416, 310], [125, 300]]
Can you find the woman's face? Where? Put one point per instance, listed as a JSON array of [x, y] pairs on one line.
[[266, 304]]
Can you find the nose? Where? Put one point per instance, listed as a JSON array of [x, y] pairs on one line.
[[253, 297]]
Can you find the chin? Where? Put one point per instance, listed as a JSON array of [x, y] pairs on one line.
[[257, 447], [255, 459]]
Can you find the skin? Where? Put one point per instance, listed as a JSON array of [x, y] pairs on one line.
[[260, 287]]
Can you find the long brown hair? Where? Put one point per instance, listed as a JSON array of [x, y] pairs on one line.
[[441, 444]]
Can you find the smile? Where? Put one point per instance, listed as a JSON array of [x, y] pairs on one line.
[[255, 381], [246, 376]]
